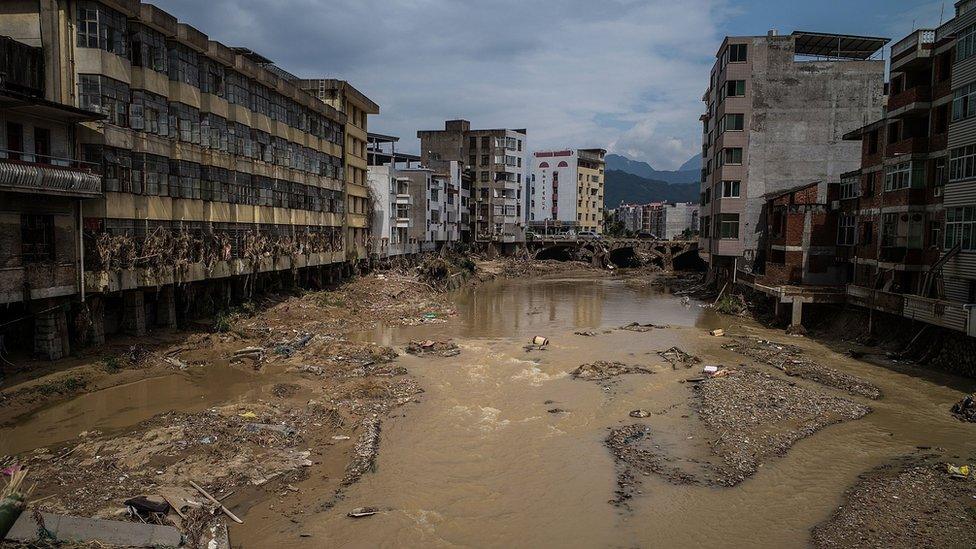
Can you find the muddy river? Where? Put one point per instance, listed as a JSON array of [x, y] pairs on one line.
[[481, 461]]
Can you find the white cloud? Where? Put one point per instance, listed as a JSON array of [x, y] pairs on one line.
[[622, 74]]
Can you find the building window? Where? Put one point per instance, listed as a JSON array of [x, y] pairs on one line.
[[729, 226], [236, 89], [966, 43], [735, 53], [731, 122], [101, 27], [849, 187], [260, 99], [36, 238], [959, 227], [706, 227], [733, 88], [964, 102], [149, 113], [15, 141], [147, 48], [184, 123], [184, 179], [898, 176], [846, 230], [151, 173], [867, 232], [485, 176], [213, 132], [211, 77], [962, 163], [730, 189], [105, 95], [731, 155], [184, 65]]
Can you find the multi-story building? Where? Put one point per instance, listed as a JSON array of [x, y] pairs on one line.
[[495, 157], [776, 109], [632, 216], [214, 167], [346, 99], [670, 220], [392, 199], [566, 190]]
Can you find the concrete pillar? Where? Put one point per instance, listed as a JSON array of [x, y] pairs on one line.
[[166, 307], [133, 313], [51, 334], [796, 321]]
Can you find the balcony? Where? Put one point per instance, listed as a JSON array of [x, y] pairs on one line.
[[916, 45], [403, 199], [914, 99], [908, 146], [39, 174], [22, 67]]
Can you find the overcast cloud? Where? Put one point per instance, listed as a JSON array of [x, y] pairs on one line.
[[627, 75]]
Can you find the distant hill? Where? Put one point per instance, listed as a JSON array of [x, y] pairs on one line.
[[626, 187], [693, 164], [643, 169]]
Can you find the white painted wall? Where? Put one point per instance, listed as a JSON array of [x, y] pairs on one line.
[[548, 166]]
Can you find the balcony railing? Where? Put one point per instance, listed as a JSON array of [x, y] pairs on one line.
[[908, 146], [916, 94], [35, 173]]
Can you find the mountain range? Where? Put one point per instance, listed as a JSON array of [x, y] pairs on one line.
[[623, 187], [689, 172], [636, 182]]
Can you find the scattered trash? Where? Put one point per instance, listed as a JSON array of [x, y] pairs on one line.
[[148, 504], [360, 512], [640, 413], [175, 362], [209, 439], [340, 437], [217, 503], [676, 356], [962, 471], [710, 369], [289, 349], [540, 341], [13, 500], [248, 415], [586, 333], [430, 347], [557, 411], [603, 370], [965, 409], [638, 327], [718, 333], [283, 429]]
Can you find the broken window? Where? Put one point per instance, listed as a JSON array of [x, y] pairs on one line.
[[184, 123], [211, 76], [105, 95], [149, 113], [147, 48], [101, 27], [184, 65]]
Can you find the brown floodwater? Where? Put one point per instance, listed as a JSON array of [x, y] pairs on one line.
[[480, 462]]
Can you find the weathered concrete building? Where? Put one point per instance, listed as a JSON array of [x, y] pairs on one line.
[[566, 190], [495, 157], [671, 220], [392, 199], [777, 108], [357, 107], [217, 172]]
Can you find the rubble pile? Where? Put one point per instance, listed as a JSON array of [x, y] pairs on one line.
[[603, 370], [756, 416], [431, 347], [638, 327], [965, 409], [912, 502], [789, 359], [676, 356]]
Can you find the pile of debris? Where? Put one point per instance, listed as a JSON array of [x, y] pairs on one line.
[[638, 327], [912, 502], [965, 409], [603, 370], [789, 359], [431, 347], [676, 356]]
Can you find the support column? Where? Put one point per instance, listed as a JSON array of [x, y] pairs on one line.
[[133, 313], [796, 321], [166, 307], [51, 335]]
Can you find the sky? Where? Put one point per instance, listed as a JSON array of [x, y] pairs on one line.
[[625, 75]]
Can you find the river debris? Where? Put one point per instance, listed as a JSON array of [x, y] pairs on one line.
[[640, 413], [367, 447], [789, 359], [603, 370], [746, 419], [586, 333], [360, 512], [910, 502], [676, 356], [965, 409], [638, 327], [433, 347]]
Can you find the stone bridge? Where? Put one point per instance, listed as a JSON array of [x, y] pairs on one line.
[[621, 252]]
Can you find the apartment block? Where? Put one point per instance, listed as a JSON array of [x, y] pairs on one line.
[[671, 220], [776, 110], [345, 98], [392, 198], [214, 170], [496, 158], [632, 216], [566, 190]]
